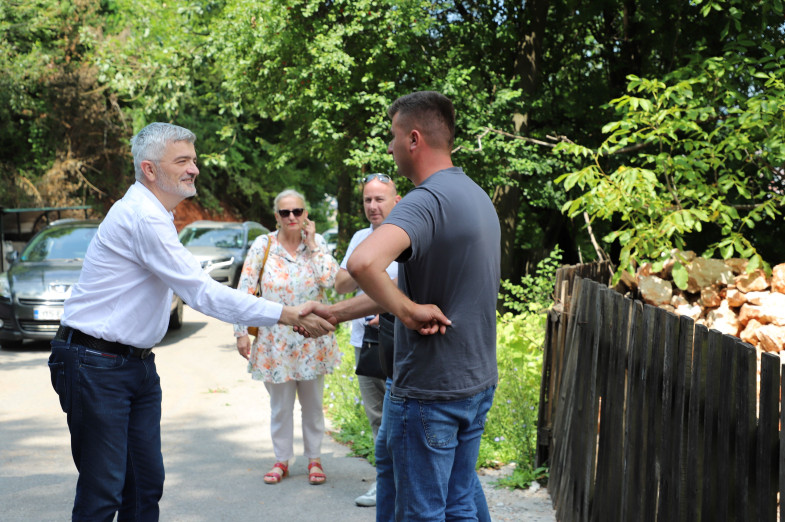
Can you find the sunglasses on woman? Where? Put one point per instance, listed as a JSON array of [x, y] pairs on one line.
[[384, 178], [284, 212]]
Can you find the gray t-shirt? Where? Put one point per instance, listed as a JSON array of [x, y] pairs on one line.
[[454, 263]]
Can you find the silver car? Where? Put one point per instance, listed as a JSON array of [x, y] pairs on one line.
[[35, 287], [221, 246]]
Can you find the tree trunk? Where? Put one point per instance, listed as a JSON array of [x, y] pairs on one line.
[[507, 200]]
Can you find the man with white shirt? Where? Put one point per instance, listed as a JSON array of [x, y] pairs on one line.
[[379, 198], [102, 366]]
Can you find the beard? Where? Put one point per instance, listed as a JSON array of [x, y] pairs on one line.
[[166, 184]]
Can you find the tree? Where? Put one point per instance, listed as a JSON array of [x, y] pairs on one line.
[[294, 92], [60, 129], [695, 159]]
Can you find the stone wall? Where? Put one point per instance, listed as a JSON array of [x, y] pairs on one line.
[[721, 295]]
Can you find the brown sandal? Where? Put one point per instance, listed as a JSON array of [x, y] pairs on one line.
[[273, 477], [316, 477]]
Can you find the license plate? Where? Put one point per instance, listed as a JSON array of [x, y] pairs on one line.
[[47, 314]]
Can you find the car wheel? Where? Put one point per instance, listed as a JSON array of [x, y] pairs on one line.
[[11, 345], [176, 317]]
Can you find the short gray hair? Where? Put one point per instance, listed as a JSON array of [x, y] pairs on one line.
[[288, 193], [150, 142]]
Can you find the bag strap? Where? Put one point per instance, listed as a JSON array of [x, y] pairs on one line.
[[258, 292]]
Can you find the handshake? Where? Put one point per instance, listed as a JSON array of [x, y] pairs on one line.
[[314, 319], [317, 319]]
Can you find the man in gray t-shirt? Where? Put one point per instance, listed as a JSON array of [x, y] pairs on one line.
[[445, 235]]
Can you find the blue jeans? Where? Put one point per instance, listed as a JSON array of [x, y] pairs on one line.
[[385, 481], [426, 453], [113, 407]]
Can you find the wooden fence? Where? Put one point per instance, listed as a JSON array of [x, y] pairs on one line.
[[646, 416]]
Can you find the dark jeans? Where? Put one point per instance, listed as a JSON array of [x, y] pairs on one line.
[[113, 407]]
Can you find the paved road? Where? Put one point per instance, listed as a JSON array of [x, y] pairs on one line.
[[216, 444]]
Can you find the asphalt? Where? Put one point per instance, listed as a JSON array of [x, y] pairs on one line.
[[216, 444]]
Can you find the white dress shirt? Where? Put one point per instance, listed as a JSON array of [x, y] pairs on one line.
[[358, 325], [132, 265]]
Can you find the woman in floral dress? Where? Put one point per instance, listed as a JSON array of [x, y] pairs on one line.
[[298, 268]]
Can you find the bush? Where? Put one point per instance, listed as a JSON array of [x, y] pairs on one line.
[[511, 427]]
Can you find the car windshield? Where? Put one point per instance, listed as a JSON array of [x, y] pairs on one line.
[[59, 243], [212, 237]]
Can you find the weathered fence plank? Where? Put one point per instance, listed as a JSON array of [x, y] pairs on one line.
[[767, 457], [633, 447], [710, 505], [611, 435], [672, 389], [652, 412], [696, 424], [744, 407], [566, 418], [682, 400]]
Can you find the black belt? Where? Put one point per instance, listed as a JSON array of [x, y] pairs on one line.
[[95, 343]]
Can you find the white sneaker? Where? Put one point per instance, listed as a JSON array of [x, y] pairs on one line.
[[368, 499]]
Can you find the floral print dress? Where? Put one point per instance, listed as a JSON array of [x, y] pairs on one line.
[[279, 354]]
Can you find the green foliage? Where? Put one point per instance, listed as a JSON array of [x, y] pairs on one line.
[[293, 93], [707, 143], [535, 293]]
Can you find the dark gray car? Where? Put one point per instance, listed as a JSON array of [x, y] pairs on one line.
[[35, 287], [221, 246]]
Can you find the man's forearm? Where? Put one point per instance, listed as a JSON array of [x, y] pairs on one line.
[[344, 282], [354, 308]]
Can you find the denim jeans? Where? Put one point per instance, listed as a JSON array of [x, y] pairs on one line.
[[426, 453], [385, 481], [113, 408]]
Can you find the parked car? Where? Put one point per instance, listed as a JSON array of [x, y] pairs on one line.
[[221, 246], [35, 287]]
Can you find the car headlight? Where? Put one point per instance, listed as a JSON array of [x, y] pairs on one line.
[[5, 286]]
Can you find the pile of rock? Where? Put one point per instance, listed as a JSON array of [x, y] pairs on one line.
[[720, 294]]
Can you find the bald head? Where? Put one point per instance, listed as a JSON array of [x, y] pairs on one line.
[[379, 198]]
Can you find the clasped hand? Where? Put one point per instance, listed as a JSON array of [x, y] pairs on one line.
[[425, 319]]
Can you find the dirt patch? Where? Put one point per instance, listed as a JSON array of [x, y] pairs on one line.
[[508, 505], [189, 211]]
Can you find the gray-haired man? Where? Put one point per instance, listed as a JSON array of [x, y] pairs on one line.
[[101, 364]]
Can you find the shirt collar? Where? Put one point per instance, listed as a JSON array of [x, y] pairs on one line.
[[141, 189]]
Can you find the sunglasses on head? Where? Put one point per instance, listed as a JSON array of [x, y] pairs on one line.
[[384, 178], [284, 212]]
